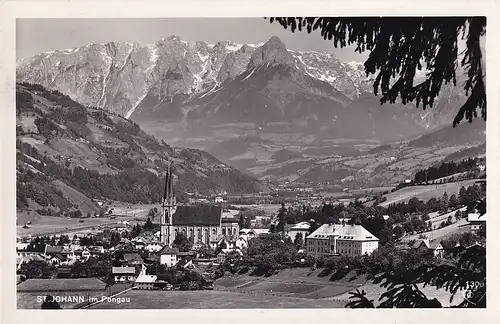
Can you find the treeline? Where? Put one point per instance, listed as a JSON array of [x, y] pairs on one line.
[[411, 216], [446, 169], [414, 205]]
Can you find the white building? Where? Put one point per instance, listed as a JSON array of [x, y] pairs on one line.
[[145, 281], [168, 256], [335, 239], [123, 274], [476, 220], [301, 228]]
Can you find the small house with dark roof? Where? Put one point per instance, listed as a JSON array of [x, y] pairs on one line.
[[132, 258], [424, 246], [53, 250]]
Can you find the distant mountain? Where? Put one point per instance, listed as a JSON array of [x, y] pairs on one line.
[[464, 133], [471, 152], [197, 85], [66, 150]]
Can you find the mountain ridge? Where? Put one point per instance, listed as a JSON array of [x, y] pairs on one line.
[[176, 80], [61, 143]]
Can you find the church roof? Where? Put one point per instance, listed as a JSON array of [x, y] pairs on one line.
[[197, 215]]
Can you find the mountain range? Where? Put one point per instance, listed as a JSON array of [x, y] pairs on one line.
[[194, 86], [69, 154]]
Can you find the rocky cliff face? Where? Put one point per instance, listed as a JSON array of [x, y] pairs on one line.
[[120, 76]]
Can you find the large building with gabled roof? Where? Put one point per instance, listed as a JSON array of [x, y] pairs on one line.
[[203, 224], [340, 239]]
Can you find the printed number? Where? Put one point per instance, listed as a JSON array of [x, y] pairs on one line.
[[474, 284]]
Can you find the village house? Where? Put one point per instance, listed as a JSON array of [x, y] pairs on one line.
[[247, 234], [301, 229], [28, 258], [83, 254], [96, 250], [260, 231], [132, 259], [145, 281], [55, 260], [476, 220], [335, 239], [63, 272], [51, 251], [168, 256], [241, 243], [424, 246], [69, 257], [27, 250], [221, 256], [153, 247], [123, 274], [186, 263]]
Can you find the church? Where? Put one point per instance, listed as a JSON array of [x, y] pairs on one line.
[[203, 224]]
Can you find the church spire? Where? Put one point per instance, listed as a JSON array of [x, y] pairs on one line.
[[168, 207]]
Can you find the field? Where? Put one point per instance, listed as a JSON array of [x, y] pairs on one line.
[[297, 282], [425, 192], [48, 225], [211, 299], [442, 233]]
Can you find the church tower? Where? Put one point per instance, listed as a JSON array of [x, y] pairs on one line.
[[168, 208]]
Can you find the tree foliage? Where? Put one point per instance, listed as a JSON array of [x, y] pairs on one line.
[[401, 46]]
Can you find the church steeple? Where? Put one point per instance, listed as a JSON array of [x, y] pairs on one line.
[[168, 207]]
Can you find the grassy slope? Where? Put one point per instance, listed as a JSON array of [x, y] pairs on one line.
[[425, 192]]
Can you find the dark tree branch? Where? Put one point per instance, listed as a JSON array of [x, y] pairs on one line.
[[399, 46]]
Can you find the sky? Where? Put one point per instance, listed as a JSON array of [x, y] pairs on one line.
[[35, 36]]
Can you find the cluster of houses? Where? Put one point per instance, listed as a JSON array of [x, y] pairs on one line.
[[210, 227], [64, 255]]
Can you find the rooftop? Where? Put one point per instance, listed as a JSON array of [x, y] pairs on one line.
[[53, 249], [128, 270], [143, 278], [197, 215], [300, 226], [475, 217], [229, 220], [343, 232], [132, 256], [167, 250]]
